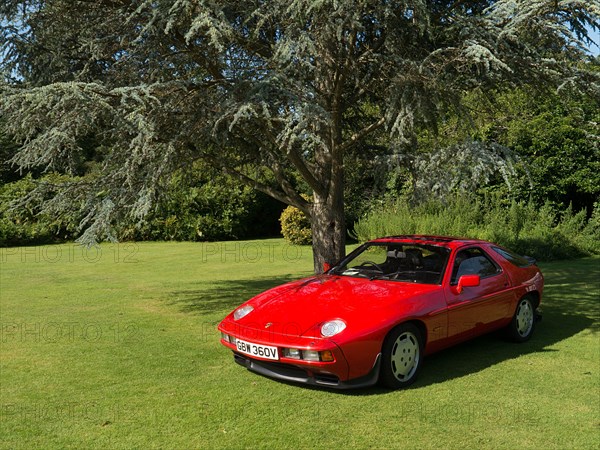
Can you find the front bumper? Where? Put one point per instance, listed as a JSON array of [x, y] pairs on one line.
[[333, 374], [295, 374]]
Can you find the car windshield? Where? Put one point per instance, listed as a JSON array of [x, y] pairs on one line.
[[414, 263]]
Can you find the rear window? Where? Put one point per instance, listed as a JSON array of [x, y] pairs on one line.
[[513, 258]]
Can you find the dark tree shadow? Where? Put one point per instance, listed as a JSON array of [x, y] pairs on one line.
[[224, 296], [570, 305]]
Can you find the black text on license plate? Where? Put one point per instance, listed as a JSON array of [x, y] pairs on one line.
[[261, 351]]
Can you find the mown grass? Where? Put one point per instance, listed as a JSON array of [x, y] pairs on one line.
[[118, 348]]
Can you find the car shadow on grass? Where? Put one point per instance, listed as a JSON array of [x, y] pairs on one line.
[[488, 350], [570, 306]]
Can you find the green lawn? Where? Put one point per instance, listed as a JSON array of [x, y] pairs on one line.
[[118, 348]]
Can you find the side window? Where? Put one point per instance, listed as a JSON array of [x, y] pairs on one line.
[[513, 258], [473, 261]]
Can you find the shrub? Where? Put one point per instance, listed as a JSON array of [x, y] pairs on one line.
[[295, 226], [206, 205], [27, 224], [540, 232], [589, 237]]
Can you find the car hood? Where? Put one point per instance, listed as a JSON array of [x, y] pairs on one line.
[[300, 308]]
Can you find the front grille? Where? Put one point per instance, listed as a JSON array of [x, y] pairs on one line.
[[284, 369]]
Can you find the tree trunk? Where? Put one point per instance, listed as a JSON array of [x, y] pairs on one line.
[[328, 228]]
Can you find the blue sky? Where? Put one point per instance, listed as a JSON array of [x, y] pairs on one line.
[[595, 35]]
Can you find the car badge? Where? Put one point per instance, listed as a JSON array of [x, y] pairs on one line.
[[268, 325]]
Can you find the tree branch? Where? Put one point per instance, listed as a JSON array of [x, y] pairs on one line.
[[276, 194], [361, 134], [288, 195], [305, 171], [204, 61], [276, 167], [301, 165], [285, 184]]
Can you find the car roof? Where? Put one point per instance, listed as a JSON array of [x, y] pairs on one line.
[[443, 241]]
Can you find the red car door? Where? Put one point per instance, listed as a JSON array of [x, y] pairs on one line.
[[479, 309]]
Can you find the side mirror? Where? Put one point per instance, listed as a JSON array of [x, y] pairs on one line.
[[326, 267], [467, 281]]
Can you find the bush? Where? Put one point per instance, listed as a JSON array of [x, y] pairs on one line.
[[210, 210], [295, 226], [27, 224], [540, 232], [205, 205]]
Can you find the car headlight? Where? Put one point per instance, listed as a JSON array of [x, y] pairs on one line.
[[242, 312], [333, 327]]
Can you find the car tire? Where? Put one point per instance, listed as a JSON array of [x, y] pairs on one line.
[[402, 355], [523, 322]]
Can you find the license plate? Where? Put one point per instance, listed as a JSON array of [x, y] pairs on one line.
[[262, 351]]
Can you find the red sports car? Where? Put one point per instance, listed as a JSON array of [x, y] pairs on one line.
[[375, 315]]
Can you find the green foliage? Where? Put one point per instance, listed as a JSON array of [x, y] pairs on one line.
[[266, 90], [206, 205], [587, 236], [22, 217], [197, 206], [461, 168], [522, 227], [7, 149], [523, 145], [564, 156], [556, 138], [295, 226]]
